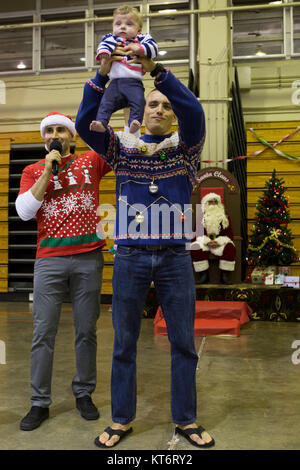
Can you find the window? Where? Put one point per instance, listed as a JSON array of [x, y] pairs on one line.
[[16, 46], [66, 3], [63, 45], [24, 5], [258, 33], [101, 27], [171, 32], [296, 30]]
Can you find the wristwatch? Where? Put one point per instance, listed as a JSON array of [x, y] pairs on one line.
[[157, 69]]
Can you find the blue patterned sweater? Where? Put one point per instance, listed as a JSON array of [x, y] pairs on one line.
[[155, 175]]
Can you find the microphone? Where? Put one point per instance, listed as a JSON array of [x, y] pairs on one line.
[[55, 145]]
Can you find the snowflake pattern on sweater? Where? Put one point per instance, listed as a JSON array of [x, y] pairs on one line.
[[67, 220]]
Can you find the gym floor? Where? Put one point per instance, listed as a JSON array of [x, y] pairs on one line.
[[248, 387]]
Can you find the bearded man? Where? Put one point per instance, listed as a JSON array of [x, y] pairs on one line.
[[216, 239]]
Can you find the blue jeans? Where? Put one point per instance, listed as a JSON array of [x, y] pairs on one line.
[[172, 273]]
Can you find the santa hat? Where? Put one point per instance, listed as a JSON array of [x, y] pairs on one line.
[[209, 197], [56, 119]]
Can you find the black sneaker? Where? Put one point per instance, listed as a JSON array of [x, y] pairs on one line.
[[34, 418], [87, 408]]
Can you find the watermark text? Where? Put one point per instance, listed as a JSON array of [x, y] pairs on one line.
[[296, 353], [2, 352]]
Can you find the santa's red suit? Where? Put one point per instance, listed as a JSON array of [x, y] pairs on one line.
[[216, 227]]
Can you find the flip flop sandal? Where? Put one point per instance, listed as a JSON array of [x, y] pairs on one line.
[[112, 432], [188, 431]]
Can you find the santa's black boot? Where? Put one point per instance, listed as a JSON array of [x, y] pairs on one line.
[[225, 277], [203, 277]]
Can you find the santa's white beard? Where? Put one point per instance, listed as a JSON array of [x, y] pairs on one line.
[[214, 217]]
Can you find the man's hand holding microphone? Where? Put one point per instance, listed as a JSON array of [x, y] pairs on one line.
[[52, 162], [53, 158]]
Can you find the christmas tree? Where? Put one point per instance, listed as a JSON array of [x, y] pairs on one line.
[[270, 242]]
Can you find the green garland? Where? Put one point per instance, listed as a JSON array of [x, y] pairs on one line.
[[269, 238]]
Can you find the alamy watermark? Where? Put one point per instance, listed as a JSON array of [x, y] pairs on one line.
[[2, 352], [296, 354], [296, 93], [2, 92], [158, 221]]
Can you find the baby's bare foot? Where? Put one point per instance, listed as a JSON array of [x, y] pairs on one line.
[[97, 126], [134, 126]]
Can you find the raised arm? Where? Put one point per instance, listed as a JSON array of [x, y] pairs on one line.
[[92, 95], [189, 111], [103, 143]]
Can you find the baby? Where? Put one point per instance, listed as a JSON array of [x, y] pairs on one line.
[[126, 88]]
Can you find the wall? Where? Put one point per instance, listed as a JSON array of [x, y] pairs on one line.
[[267, 90], [4, 176], [30, 98], [270, 93], [260, 168], [267, 95]]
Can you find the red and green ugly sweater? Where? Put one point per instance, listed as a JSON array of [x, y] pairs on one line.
[[67, 219]]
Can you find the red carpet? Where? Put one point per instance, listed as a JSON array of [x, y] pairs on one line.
[[212, 318]]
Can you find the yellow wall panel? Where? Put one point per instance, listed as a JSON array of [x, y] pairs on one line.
[[3, 271], [278, 125], [294, 212], [4, 144], [108, 256], [3, 243], [258, 180], [108, 183], [4, 187], [107, 272], [272, 136], [106, 287], [3, 200], [296, 242], [3, 214], [26, 137], [267, 164], [4, 171], [3, 256], [288, 148], [108, 197], [109, 243], [294, 226], [293, 195], [3, 229], [3, 285]]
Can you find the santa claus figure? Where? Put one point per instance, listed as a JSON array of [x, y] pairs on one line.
[[216, 239]]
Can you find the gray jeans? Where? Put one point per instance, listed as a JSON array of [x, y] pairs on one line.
[[54, 277]]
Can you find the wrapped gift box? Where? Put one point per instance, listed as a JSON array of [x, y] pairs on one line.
[[286, 270], [269, 279], [257, 275], [263, 274], [279, 279], [291, 281]]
